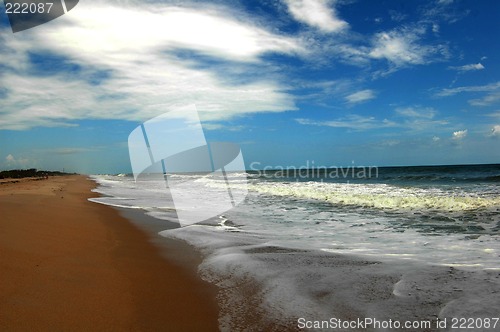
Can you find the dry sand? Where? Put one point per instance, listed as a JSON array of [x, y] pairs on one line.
[[73, 265]]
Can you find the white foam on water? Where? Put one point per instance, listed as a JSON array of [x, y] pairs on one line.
[[273, 252], [255, 274], [254, 282], [124, 192], [457, 230], [381, 196]]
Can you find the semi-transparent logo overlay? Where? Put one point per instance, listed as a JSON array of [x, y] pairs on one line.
[[204, 179]]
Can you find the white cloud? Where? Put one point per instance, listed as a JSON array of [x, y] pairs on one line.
[[489, 99], [219, 126], [419, 118], [471, 67], [435, 28], [65, 151], [390, 143], [352, 121], [494, 114], [416, 112], [436, 139], [12, 161], [495, 131], [402, 47], [317, 13], [444, 11], [492, 96], [144, 77], [351, 55], [156, 27], [459, 135], [476, 88], [360, 96], [415, 119]]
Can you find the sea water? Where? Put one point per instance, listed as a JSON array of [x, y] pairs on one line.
[[441, 215]]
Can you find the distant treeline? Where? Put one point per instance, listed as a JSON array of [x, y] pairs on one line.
[[28, 173]]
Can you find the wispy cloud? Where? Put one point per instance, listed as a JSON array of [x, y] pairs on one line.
[[444, 10], [435, 28], [397, 16], [492, 96], [352, 121], [494, 114], [360, 96], [68, 150], [414, 119], [404, 47], [418, 119], [219, 126], [474, 88], [416, 112], [489, 99], [145, 77], [466, 68], [320, 14]]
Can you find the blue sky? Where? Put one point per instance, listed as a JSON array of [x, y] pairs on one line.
[[335, 82]]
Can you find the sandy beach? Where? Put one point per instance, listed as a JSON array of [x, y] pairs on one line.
[[68, 264]]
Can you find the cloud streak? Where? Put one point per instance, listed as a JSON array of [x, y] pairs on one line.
[[491, 97], [360, 96], [477, 88], [416, 112], [466, 68], [415, 119], [352, 121]]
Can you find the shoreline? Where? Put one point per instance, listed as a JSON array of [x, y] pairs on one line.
[[88, 266], [70, 264], [274, 288], [175, 251]]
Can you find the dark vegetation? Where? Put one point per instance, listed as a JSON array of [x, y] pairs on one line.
[[29, 173]]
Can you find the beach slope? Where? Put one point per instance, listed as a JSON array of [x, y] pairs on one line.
[[70, 264]]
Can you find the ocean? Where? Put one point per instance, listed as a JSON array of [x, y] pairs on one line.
[[291, 220]]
